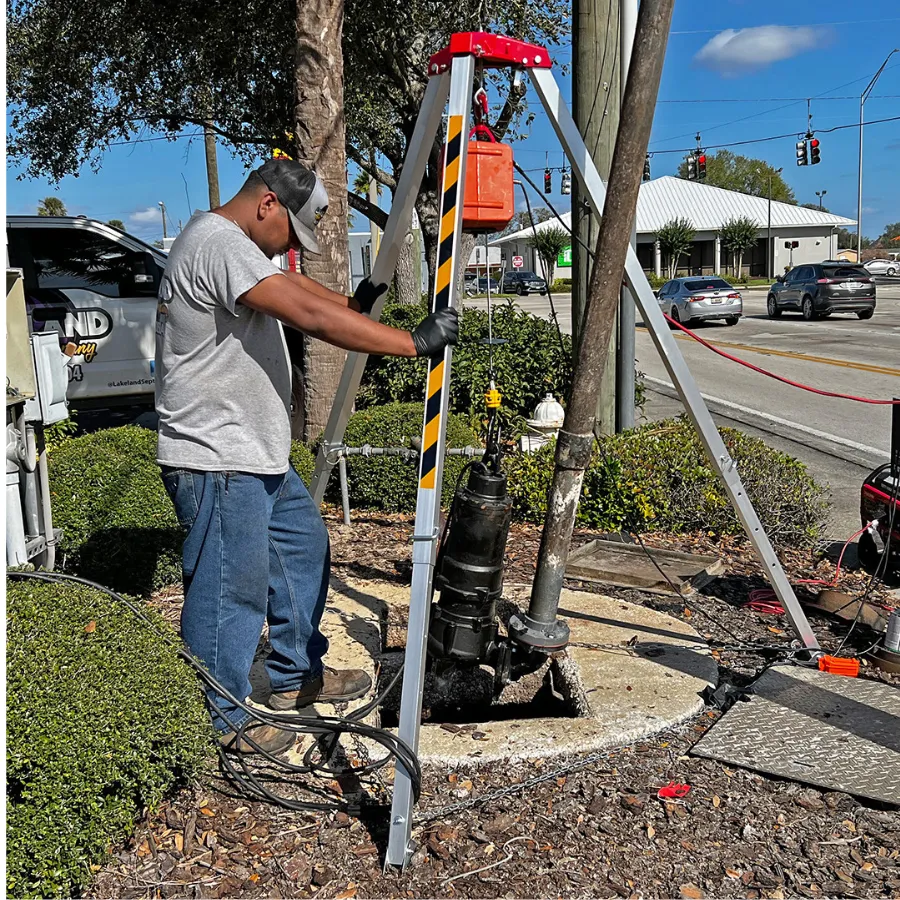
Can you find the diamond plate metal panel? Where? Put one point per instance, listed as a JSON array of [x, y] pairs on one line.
[[835, 732]]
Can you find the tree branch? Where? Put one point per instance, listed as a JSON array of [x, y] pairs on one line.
[[375, 172], [372, 212]]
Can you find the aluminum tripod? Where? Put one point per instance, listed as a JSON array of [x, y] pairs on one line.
[[460, 58]]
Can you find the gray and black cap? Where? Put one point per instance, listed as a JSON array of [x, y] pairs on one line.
[[300, 191]]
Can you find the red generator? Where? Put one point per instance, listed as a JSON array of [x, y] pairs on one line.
[[880, 499]]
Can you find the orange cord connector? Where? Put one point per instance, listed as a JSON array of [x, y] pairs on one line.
[[839, 665]]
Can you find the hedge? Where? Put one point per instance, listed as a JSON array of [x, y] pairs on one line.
[[389, 483], [657, 478], [534, 360], [119, 525], [103, 720]]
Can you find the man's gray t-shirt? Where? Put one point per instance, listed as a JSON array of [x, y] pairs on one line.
[[223, 375]]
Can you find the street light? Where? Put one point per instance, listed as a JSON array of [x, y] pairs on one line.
[[862, 100], [820, 195], [162, 209]]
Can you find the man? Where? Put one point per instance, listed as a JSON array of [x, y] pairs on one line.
[[256, 548]]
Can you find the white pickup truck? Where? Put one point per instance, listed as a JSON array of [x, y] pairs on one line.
[[96, 286]]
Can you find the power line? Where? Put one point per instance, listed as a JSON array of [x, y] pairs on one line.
[[176, 137], [781, 99], [774, 137], [767, 111], [802, 25]]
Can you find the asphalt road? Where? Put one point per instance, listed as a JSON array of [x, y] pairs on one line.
[[841, 440]]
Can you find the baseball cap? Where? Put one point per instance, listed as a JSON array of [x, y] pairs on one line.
[[300, 191]]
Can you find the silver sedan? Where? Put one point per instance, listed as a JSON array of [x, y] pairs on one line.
[[882, 266], [700, 298]]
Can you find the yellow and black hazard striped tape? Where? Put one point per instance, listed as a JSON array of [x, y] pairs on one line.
[[445, 264]]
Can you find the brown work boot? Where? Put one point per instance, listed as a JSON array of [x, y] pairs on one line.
[[334, 686], [270, 738]]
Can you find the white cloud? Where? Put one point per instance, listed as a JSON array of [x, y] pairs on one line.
[[733, 52], [145, 216], [870, 209]]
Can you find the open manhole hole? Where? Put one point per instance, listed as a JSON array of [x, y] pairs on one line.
[[464, 696]]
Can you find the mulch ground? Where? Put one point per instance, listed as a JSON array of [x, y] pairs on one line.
[[599, 830]]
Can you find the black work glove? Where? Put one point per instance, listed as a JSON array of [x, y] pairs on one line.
[[367, 293], [436, 332]]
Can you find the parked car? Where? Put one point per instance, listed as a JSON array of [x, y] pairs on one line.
[[700, 298], [96, 287], [480, 286], [882, 266], [522, 283], [818, 290]]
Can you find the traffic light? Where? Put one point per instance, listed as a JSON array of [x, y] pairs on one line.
[[565, 186], [701, 167], [802, 159], [692, 167], [814, 151], [548, 181], [647, 167]]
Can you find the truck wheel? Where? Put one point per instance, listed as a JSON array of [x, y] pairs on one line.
[[298, 404], [866, 313]]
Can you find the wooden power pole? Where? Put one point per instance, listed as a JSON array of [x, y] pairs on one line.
[[576, 439], [596, 97]]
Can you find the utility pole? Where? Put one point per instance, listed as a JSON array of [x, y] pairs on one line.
[[596, 101], [212, 165], [162, 209], [626, 349], [862, 102], [576, 439]]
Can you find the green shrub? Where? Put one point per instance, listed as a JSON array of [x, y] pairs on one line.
[[119, 525], [657, 478], [531, 363], [656, 281], [562, 286], [390, 482], [102, 720], [304, 460]]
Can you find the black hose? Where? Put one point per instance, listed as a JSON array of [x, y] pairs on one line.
[[328, 729]]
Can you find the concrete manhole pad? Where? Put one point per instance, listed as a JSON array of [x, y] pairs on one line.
[[629, 672]]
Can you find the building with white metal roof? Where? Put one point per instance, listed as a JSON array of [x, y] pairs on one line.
[[798, 234]]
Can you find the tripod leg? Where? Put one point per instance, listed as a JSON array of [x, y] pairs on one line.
[[383, 269], [718, 455], [431, 462]]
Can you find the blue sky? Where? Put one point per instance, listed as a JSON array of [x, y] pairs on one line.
[[750, 61]]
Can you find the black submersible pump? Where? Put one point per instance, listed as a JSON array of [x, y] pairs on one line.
[[469, 571]]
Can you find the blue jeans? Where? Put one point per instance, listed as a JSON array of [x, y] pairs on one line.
[[256, 550]]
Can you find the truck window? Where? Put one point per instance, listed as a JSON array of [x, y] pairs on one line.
[[67, 258]]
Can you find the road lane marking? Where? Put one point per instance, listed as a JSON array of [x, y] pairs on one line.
[[776, 420], [806, 357]]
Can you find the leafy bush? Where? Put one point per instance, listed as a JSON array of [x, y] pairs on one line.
[[102, 720], [304, 461], [656, 281], [119, 525], [390, 482], [657, 478], [532, 362]]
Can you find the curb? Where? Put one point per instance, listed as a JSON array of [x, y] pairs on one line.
[[829, 444]]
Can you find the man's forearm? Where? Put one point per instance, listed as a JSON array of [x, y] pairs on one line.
[[308, 284]]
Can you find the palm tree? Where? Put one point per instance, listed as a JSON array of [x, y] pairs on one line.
[[737, 237], [675, 237], [549, 243], [51, 206]]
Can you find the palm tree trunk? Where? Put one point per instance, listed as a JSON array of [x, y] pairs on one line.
[[319, 142]]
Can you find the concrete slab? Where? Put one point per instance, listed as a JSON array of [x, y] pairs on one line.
[[629, 672]]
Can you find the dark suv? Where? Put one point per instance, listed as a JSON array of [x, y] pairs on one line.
[[522, 283], [823, 288]]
